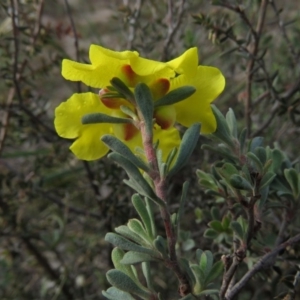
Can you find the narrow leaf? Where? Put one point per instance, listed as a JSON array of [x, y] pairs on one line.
[[123, 282], [147, 274], [134, 173], [237, 228], [222, 132], [122, 88], [175, 96], [116, 145], [182, 203], [125, 244], [127, 233], [267, 179], [113, 293], [117, 255], [231, 121], [141, 209], [293, 178], [240, 183], [144, 102], [215, 272], [132, 257], [136, 226], [102, 118], [187, 146]]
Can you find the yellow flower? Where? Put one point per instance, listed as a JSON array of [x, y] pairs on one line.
[[133, 69], [88, 144]]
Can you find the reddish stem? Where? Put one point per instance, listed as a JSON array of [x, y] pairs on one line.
[[160, 190]]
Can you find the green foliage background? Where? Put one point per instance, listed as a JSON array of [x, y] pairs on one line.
[[56, 210]]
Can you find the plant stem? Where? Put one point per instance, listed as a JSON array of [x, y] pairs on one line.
[[160, 190]]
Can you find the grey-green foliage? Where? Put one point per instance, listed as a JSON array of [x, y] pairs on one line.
[[249, 172]]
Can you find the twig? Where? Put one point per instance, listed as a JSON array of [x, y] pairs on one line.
[[133, 23], [250, 65], [172, 27], [265, 262], [16, 74], [293, 53], [5, 118], [70, 208], [76, 42], [273, 113], [46, 266], [91, 178]]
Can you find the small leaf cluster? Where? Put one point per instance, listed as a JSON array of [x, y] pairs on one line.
[[248, 174]]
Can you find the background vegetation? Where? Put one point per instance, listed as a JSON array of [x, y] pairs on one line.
[[56, 210]]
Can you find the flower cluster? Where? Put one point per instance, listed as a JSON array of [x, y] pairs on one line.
[[130, 68]]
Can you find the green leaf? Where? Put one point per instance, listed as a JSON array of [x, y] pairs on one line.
[[277, 158], [267, 179], [231, 121], [113, 293], [198, 254], [260, 152], [147, 274], [216, 225], [255, 142], [226, 222], [161, 245], [227, 171], [206, 262], [240, 183], [223, 132], [136, 176], [136, 226], [238, 230], [149, 207], [122, 88], [132, 257], [117, 255], [208, 292], [187, 146], [127, 233], [116, 145], [144, 100], [128, 111], [242, 139], [293, 178], [181, 205], [222, 151], [125, 244], [171, 157], [215, 272], [95, 118], [188, 297], [175, 96], [188, 245], [210, 233], [215, 213], [123, 282], [255, 161], [184, 264], [141, 209], [199, 276]]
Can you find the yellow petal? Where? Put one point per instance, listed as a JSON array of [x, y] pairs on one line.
[[97, 54], [106, 64], [68, 115], [186, 63], [209, 83], [168, 140], [89, 146], [151, 69]]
